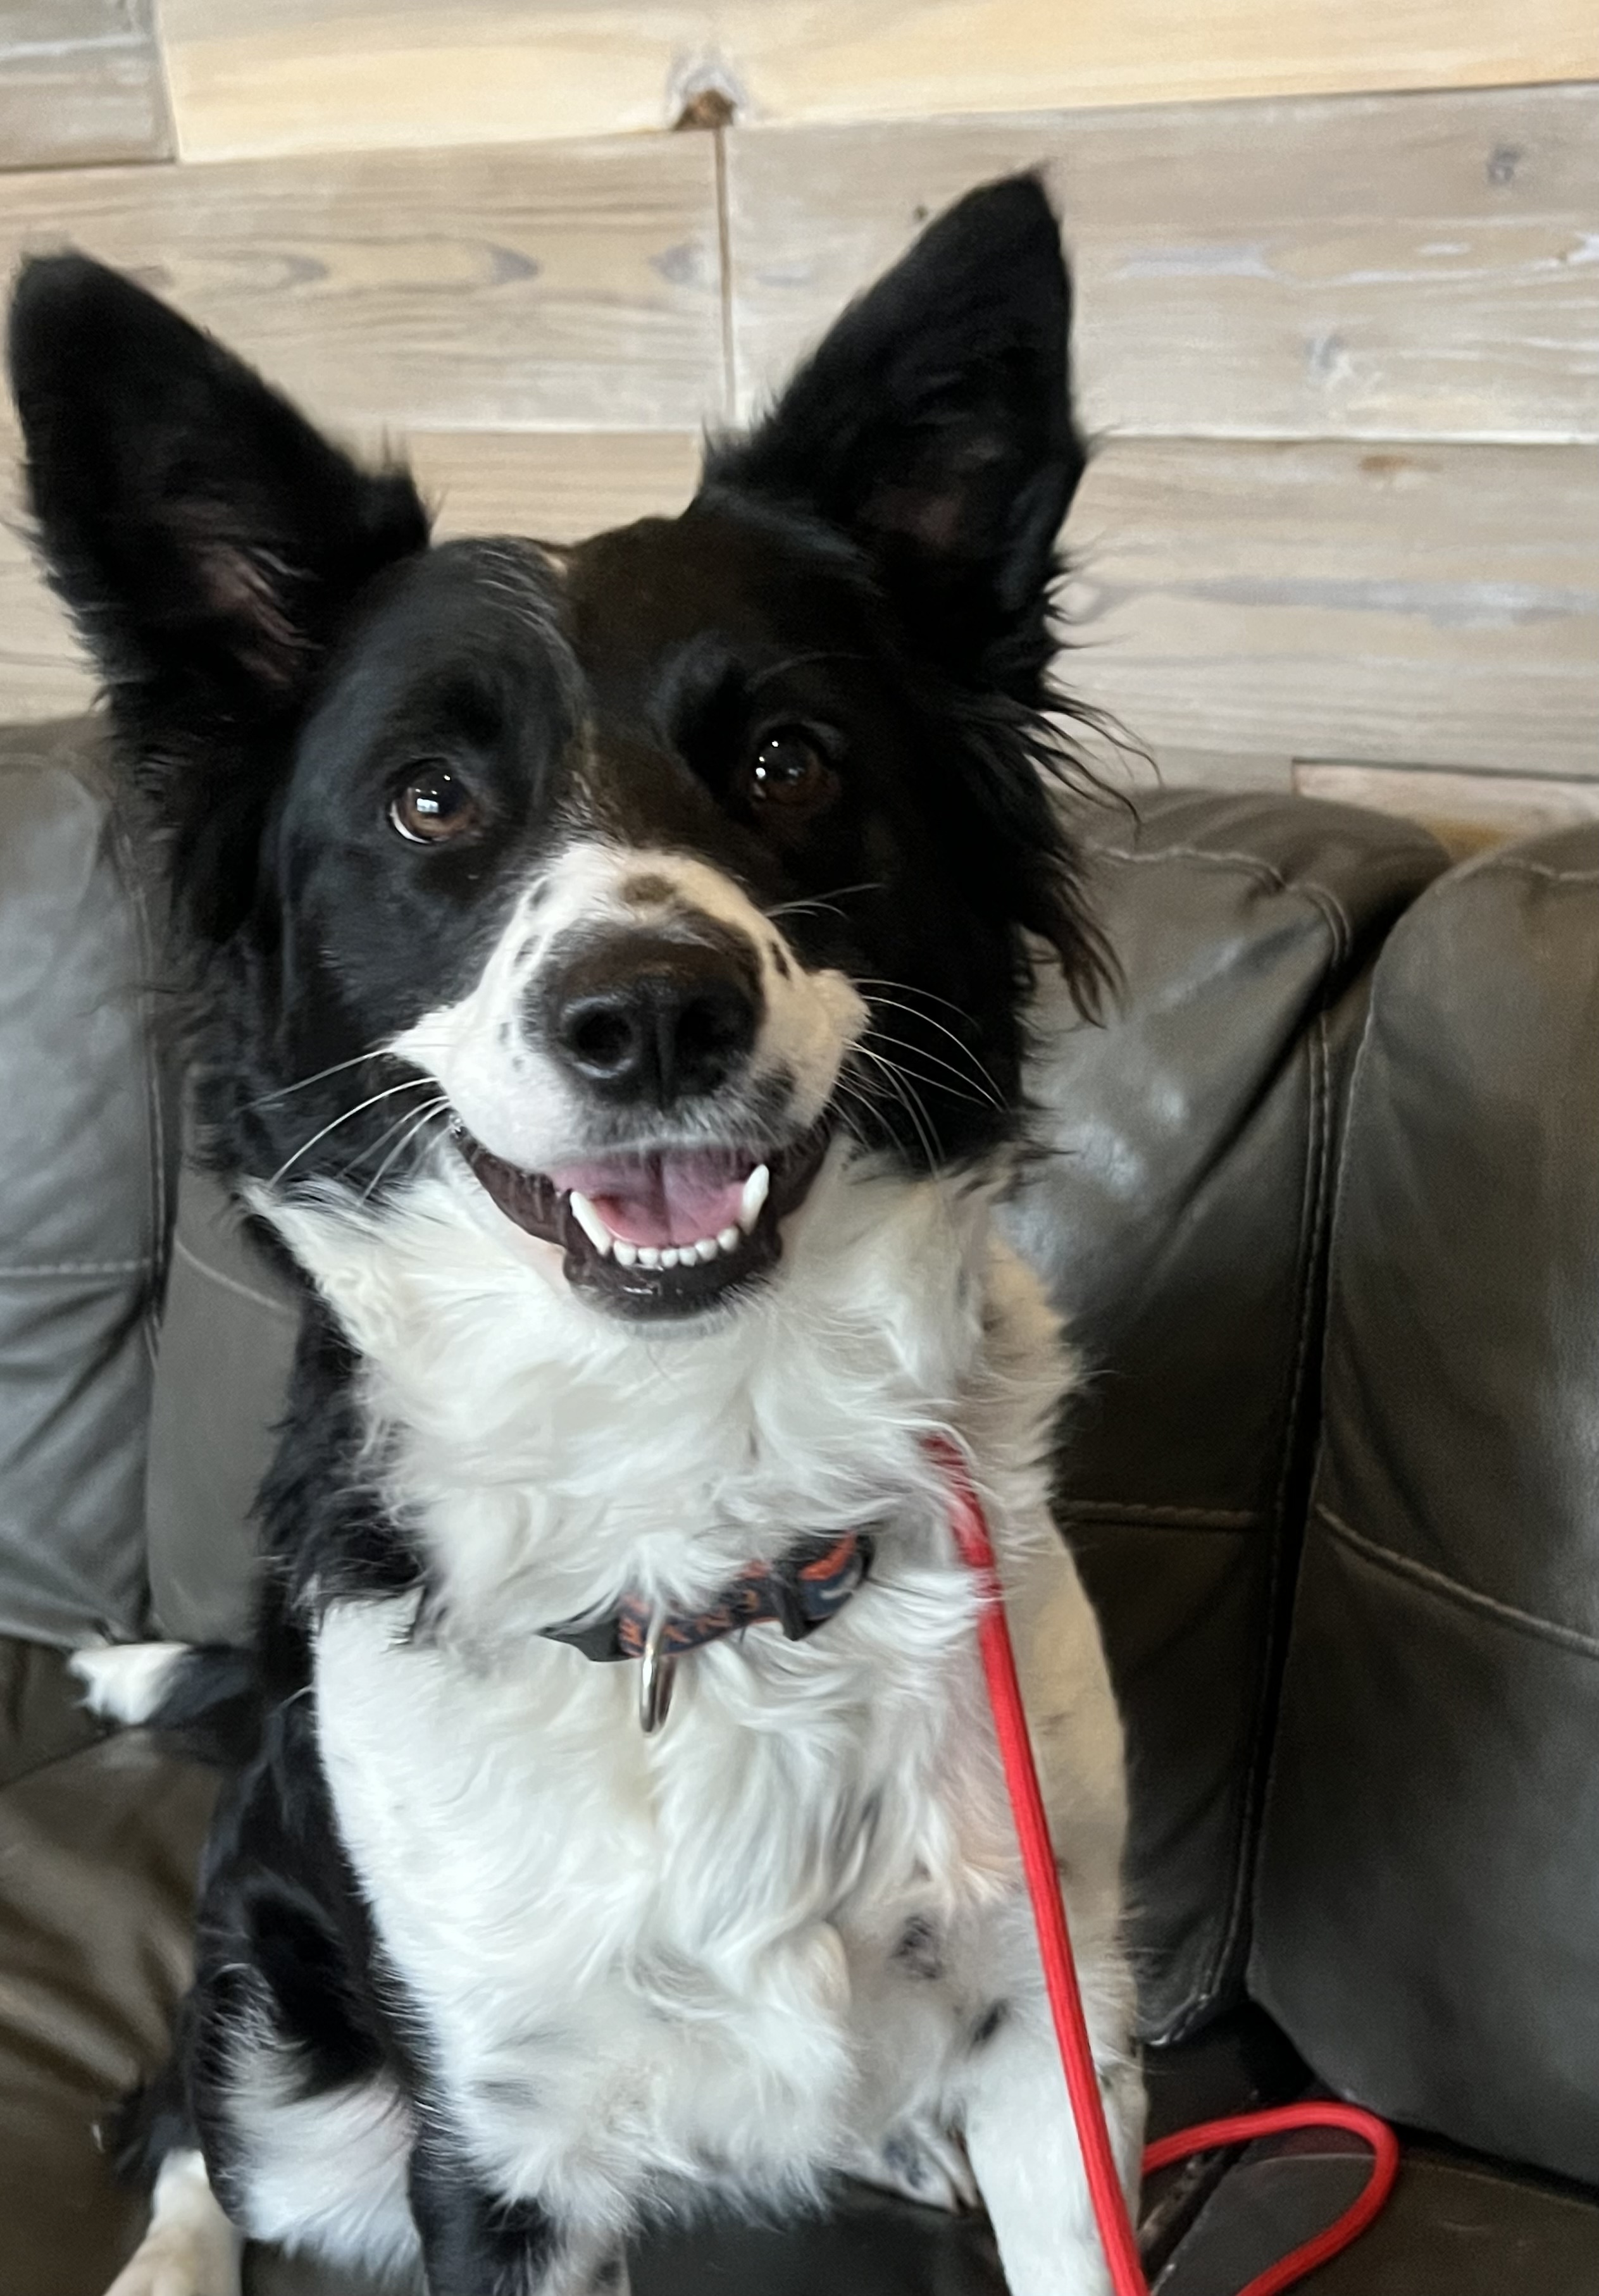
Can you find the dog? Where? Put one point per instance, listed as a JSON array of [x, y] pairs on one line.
[[609, 970]]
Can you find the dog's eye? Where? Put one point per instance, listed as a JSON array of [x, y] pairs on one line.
[[434, 806], [788, 769]]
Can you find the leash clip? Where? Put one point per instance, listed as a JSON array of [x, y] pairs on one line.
[[656, 1669]]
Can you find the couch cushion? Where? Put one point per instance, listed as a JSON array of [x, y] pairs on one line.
[[97, 1857], [1429, 1905], [1180, 1217], [1455, 2226], [84, 1149]]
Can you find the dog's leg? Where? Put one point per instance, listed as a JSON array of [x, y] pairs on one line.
[[191, 2248], [1024, 2151], [475, 2243], [922, 2162]]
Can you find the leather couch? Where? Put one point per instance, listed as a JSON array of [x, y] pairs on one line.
[[1323, 1203]]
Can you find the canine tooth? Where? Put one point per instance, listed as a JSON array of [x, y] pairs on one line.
[[707, 1248], [730, 1239], [670, 1255], [626, 1253], [756, 1189], [589, 1219], [648, 1256]]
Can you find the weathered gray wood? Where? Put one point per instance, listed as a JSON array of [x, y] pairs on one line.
[[1415, 604], [1389, 267], [80, 80], [1466, 812], [577, 286]]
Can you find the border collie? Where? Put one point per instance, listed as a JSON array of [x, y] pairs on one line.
[[610, 968]]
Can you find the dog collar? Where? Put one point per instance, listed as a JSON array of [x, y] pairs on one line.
[[799, 1592]]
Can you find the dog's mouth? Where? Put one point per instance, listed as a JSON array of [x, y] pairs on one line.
[[662, 1233]]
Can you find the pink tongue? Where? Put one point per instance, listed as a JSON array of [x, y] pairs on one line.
[[678, 1197]]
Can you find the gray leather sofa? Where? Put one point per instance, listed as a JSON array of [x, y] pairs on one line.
[[1322, 1202]]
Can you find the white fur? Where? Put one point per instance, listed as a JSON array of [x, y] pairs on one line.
[[125, 1682], [326, 2173], [191, 2248], [647, 1963]]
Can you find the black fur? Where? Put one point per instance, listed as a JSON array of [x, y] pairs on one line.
[[280, 648]]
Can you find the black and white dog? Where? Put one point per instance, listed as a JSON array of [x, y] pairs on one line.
[[611, 971]]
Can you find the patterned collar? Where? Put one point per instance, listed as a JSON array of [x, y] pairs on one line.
[[799, 1592]]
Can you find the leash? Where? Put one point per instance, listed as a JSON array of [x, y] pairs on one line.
[[970, 1527]]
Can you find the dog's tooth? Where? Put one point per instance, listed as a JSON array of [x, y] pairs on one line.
[[670, 1255], [757, 1188], [648, 1256], [625, 1253], [707, 1248], [730, 1239], [589, 1219]]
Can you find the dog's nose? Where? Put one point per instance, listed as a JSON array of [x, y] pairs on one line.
[[641, 1018]]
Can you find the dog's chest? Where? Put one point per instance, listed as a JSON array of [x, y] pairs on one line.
[[616, 1927]]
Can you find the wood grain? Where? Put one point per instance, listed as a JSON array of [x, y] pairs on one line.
[[558, 486], [480, 289], [1424, 605], [1467, 812], [1404, 266], [307, 74], [80, 81]]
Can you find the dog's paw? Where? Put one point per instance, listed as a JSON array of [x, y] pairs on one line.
[[177, 2264], [125, 1682], [921, 2162], [191, 2248]]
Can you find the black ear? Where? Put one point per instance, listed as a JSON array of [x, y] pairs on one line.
[[206, 538], [934, 426]]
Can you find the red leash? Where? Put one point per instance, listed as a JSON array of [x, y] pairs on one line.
[[1115, 2233]]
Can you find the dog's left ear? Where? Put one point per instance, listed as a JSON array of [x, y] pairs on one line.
[[934, 426]]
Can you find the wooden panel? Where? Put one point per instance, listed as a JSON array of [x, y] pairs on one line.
[[1466, 812], [503, 288], [1427, 605], [558, 486], [304, 75], [1395, 267], [882, 59], [80, 80]]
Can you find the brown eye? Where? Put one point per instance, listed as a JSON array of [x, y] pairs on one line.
[[788, 769], [434, 806]]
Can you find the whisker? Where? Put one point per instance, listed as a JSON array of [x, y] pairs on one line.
[[305, 1084], [974, 1071], [909, 988], [410, 1084], [426, 1117], [824, 900], [365, 1155]]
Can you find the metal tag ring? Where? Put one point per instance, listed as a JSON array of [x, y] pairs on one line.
[[656, 1669]]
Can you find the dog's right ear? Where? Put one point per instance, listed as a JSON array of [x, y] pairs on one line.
[[207, 539]]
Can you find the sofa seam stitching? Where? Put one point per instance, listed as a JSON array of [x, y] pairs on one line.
[[182, 1251], [1406, 1566], [1258, 1772]]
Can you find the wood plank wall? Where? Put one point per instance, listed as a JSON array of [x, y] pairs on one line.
[[1338, 306]]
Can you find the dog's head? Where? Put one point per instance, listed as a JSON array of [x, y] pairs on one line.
[[633, 879]]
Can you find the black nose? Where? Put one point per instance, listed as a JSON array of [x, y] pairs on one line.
[[642, 1018]]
